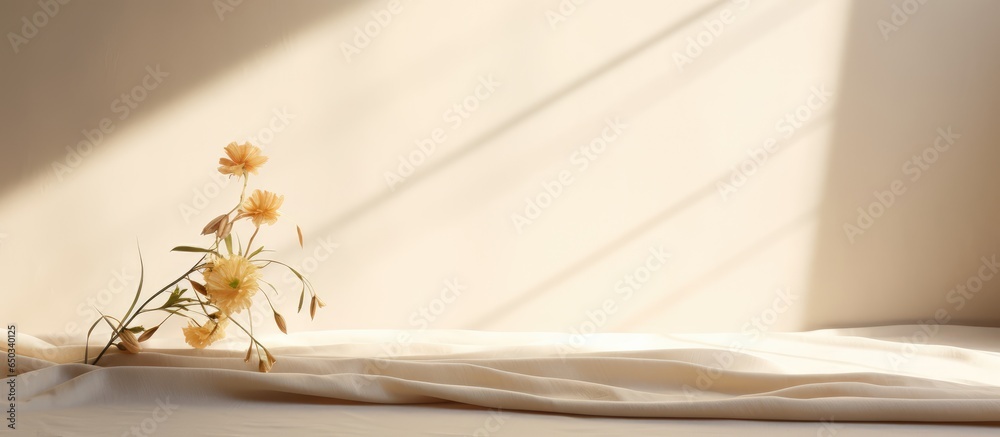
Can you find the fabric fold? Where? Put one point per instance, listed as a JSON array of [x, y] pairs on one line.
[[802, 376]]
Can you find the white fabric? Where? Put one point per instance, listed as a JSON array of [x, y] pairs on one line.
[[830, 377]]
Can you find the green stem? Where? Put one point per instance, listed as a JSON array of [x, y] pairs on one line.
[[250, 243], [242, 195], [197, 265], [114, 335], [252, 338]]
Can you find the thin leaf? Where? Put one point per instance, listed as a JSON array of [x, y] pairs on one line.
[[259, 249], [138, 291], [272, 287], [162, 290], [106, 317], [192, 249], [301, 298], [174, 297], [297, 274], [299, 230], [312, 308], [293, 271], [136, 329], [86, 349], [305, 282], [229, 243]]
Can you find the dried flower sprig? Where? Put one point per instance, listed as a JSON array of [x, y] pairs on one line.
[[230, 279]]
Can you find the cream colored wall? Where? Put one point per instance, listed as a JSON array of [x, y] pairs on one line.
[[918, 120], [811, 85]]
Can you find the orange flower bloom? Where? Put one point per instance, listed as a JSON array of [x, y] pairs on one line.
[[206, 334], [243, 159], [262, 207], [231, 283]]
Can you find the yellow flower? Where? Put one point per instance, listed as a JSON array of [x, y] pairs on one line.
[[206, 334], [262, 207], [231, 283], [243, 158]]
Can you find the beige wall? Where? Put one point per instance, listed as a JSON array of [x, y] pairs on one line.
[[931, 254], [815, 82]]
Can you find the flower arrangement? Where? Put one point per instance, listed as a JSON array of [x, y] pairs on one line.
[[229, 280]]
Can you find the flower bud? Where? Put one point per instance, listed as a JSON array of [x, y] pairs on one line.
[[280, 321], [213, 226], [149, 333], [129, 342], [198, 287], [224, 230], [264, 366]]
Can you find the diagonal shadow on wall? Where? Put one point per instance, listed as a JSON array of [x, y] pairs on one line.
[[911, 248], [67, 77]]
